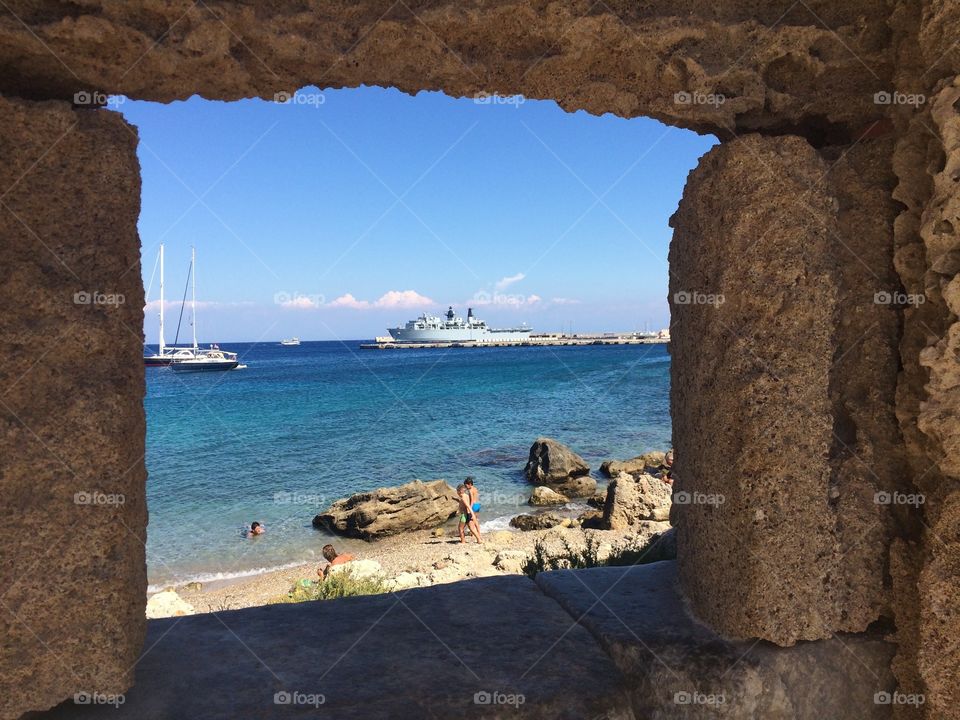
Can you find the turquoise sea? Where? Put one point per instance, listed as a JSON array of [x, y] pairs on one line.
[[303, 426]]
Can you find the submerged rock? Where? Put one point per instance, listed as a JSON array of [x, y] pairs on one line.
[[552, 462], [543, 495], [635, 498], [541, 521], [387, 511]]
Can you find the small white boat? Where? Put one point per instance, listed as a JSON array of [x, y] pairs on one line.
[[291, 342], [210, 360]]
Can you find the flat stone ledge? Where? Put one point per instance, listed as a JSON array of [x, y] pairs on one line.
[[679, 668], [423, 653]]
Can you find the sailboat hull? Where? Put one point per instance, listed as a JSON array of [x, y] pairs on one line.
[[204, 365]]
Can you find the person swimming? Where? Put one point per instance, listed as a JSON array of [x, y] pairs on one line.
[[255, 529]]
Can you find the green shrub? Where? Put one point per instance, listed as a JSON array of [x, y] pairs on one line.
[[337, 585]]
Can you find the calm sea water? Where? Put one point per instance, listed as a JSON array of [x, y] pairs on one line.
[[303, 426]]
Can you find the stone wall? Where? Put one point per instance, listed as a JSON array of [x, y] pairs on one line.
[[72, 476], [794, 220], [783, 376]]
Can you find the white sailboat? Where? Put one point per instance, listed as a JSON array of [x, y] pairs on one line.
[[212, 359]]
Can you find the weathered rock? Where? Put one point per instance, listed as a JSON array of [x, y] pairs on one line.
[[168, 604], [758, 325], [684, 64], [591, 520], [540, 521], [647, 463], [633, 498], [542, 495], [390, 510], [510, 561], [552, 463], [72, 477], [576, 487], [598, 500]]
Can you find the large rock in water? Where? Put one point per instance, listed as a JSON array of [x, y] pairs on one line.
[[387, 511], [647, 463], [541, 521], [633, 498], [552, 462], [542, 495]]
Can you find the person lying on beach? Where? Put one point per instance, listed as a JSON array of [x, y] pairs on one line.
[[466, 515], [333, 558], [255, 529], [474, 506]]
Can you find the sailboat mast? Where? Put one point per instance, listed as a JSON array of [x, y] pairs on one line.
[[162, 344], [193, 302]]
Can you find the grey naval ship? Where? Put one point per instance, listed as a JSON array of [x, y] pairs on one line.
[[452, 328]]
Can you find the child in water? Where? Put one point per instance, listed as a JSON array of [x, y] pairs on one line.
[[255, 529]]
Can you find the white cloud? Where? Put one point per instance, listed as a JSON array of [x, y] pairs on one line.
[[403, 299], [391, 300], [506, 282], [301, 302], [349, 301], [564, 301], [533, 299]]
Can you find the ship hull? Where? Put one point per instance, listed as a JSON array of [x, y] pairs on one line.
[[429, 335]]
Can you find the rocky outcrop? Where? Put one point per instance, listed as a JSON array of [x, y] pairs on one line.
[[540, 521], [168, 604], [542, 495], [551, 463], [390, 510], [647, 463], [635, 498]]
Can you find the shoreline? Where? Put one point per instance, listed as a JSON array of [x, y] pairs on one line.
[[412, 559]]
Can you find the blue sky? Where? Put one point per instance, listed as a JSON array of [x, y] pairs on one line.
[[344, 212]]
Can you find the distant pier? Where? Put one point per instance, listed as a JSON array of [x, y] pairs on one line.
[[387, 343]]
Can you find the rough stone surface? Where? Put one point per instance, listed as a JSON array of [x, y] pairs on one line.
[[634, 498], [674, 664], [72, 477], [233, 664], [647, 463], [812, 67], [542, 495], [789, 367], [390, 510], [551, 462]]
